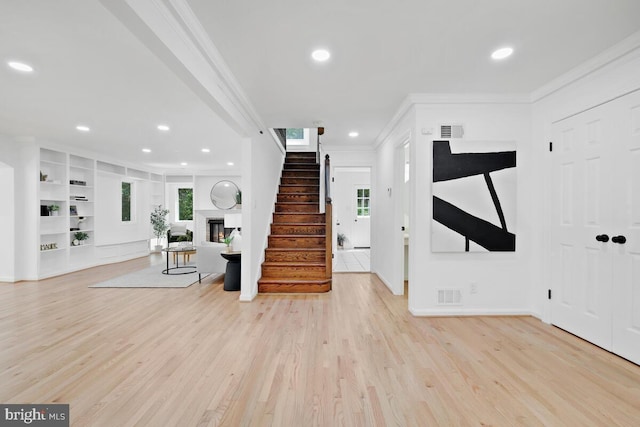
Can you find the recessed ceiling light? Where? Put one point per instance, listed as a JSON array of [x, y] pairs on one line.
[[83, 128], [206, 150], [230, 163], [183, 164], [320, 55], [20, 66], [353, 134], [502, 53], [146, 150], [163, 128]]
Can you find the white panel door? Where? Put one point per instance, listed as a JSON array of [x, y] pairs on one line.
[[361, 210], [626, 256], [581, 225]]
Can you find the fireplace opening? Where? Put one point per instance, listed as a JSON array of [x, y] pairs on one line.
[[216, 230]]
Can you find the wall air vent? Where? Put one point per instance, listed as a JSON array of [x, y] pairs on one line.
[[451, 131], [449, 297]]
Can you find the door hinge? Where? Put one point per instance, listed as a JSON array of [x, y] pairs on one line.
[[549, 296], [550, 146]]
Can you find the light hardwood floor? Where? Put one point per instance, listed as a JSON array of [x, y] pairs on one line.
[[355, 356]]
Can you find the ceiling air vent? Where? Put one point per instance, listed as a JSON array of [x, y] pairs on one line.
[[449, 297], [451, 131]]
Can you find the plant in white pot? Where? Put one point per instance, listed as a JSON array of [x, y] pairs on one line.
[[79, 238], [159, 224]]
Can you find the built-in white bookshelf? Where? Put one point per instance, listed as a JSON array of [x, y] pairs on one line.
[[68, 199]]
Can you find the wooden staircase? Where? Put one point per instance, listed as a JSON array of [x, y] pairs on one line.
[[296, 257]]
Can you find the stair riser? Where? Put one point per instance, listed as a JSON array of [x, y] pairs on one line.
[[289, 288], [309, 230], [298, 207], [299, 181], [300, 173], [309, 166], [289, 189], [297, 158], [296, 242], [302, 198], [294, 256], [298, 218], [301, 273]]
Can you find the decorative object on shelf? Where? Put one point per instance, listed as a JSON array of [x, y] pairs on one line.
[[77, 182], [73, 210], [341, 239], [227, 241], [79, 237], [159, 224], [44, 210], [48, 246], [239, 199], [224, 195], [43, 177], [54, 210]]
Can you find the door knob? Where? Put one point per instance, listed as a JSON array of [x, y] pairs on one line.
[[602, 238], [619, 239]]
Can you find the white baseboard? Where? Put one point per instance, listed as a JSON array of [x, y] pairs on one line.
[[7, 279], [247, 298], [435, 312]]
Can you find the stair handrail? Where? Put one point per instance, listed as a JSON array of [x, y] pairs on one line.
[[328, 212]]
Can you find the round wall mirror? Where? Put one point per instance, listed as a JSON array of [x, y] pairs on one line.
[[224, 194]]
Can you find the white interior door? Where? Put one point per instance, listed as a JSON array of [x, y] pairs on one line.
[[596, 226], [581, 264], [626, 265], [361, 228]]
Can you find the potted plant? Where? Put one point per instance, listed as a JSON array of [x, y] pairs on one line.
[[227, 241], [79, 237], [54, 210], [239, 199], [159, 224], [341, 239], [43, 177]]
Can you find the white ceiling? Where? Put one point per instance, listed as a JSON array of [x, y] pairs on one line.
[[90, 69]]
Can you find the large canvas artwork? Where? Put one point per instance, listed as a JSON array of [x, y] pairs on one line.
[[474, 196]]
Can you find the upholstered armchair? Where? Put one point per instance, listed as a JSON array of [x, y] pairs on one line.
[[208, 258], [179, 233]]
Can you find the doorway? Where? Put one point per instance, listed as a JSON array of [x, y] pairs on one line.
[[351, 196]]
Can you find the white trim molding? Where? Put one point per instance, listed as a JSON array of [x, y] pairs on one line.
[[448, 312]]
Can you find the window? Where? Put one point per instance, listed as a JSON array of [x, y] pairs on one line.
[[363, 202], [185, 204], [295, 133], [126, 201]]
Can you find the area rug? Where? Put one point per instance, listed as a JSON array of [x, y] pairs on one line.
[[151, 277]]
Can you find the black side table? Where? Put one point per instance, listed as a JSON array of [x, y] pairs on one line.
[[232, 274]]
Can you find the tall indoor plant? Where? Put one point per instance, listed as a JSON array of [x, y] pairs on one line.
[[159, 224]]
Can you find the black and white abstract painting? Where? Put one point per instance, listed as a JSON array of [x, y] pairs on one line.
[[474, 196]]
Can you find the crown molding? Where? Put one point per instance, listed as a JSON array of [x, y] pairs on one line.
[[594, 64]]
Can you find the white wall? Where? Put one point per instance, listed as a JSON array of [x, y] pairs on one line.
[[110, 229], [262, 159], [7, 222], [387, 240], [554, 102]]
